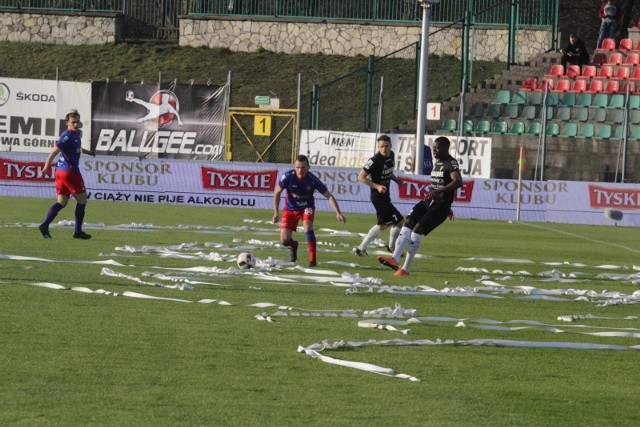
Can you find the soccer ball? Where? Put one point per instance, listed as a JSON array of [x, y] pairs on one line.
[[130, 95], [246, 260]]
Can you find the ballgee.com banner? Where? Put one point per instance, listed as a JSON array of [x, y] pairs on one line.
[[240, 185]]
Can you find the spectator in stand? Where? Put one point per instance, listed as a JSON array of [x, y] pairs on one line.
[[574, 53], [608, 14]]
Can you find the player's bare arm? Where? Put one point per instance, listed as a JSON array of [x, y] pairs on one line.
[[334, 204], [276, 204], [363, 177]]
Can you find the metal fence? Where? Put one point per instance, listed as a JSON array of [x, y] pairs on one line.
[[72, 5]]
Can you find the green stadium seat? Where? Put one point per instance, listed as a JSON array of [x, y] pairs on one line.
[[553, 99], [449, 126], [634, 117], [517, 128], [587, 130], [535, 98], [634, 135], [534, 128], [562, 113], [584, 100], [616, 116], [616, 101], [519, 98], [618, 133], [494, 111], [598, 115], [604, 131], [467, 126], [476, 111], [504, 97], [483, 126], [553, 129], [500, 127], [634, 102], [600, 100], [511, 111], [569, 130], [580, 114], [528, 112], [568, 99]]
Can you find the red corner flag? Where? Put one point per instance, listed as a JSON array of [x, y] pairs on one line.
[[522, 162]]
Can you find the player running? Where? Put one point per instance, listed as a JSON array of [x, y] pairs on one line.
[[377, 173], [429, 213], [300, 205]]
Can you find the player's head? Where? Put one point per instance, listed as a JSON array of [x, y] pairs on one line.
[[72, 119], [384, 145], [302, 166], [441, 147]]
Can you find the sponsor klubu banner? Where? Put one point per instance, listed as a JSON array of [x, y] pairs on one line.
[[144, 120], [176, 181], [32, 113], [353, 149]]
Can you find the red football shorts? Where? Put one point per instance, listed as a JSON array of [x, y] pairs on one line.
[[69, 183], [290, 219]]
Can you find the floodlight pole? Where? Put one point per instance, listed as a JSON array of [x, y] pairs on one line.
[[422, 84]]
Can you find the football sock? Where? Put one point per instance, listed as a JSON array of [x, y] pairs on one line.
[[414, 245], [311, 243], [52, 213], [79, 217], [401, 242], [394, 232], [372, 234]]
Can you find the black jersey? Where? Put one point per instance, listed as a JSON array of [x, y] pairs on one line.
[[441, 176], [380, 169]]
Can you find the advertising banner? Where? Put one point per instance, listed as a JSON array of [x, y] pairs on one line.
[[144, 120], [353, 149], [249, 185], [32, 113]]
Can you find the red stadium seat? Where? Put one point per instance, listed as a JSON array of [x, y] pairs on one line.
[[622, 73], [637, 46], [631, 85], [588, 72], [545, 82], [608, 44], [599, 58], [615, 58], [632, 60], [573, 71], [562, 85], [606, 72], [557, 70], [613, 86], [530, 83], [595, 86], [625, 44], [636, 74], [579, 86]]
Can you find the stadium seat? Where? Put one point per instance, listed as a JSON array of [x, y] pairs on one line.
[[606, 72], [587, 130], [519, 97], [632, 60], [553, 99], [636, 74], [613, 86], [608, 44], [579, 85], [634, 117], [598, 115], [631, 85], [600, 100], [616, 101], [562, 113], [467, 126], [511, 111], [562, 85], [569, 130], [588, 72], [483, 126], [500, 127], [504, 97], [494, 111], [637, 47], [530, 83], [534, 128], [603, 132], [573, 71], [549, 113], [476, 111], [449, 126], [528, 112], [580, 114], [599, 58], [616, 116], [568, 99], [544, 83], [535, 98], [615, 58], [625, 44], [618, 133], [517, 128], [634, 134], [584, 100], [622, 73], [553, 129], [634, 102], [557, 70]]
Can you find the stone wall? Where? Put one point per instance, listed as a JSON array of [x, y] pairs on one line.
[[351, 38], [71, 28]]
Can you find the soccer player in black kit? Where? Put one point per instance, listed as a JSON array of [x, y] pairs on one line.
[[430, 212], [377, 173]]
